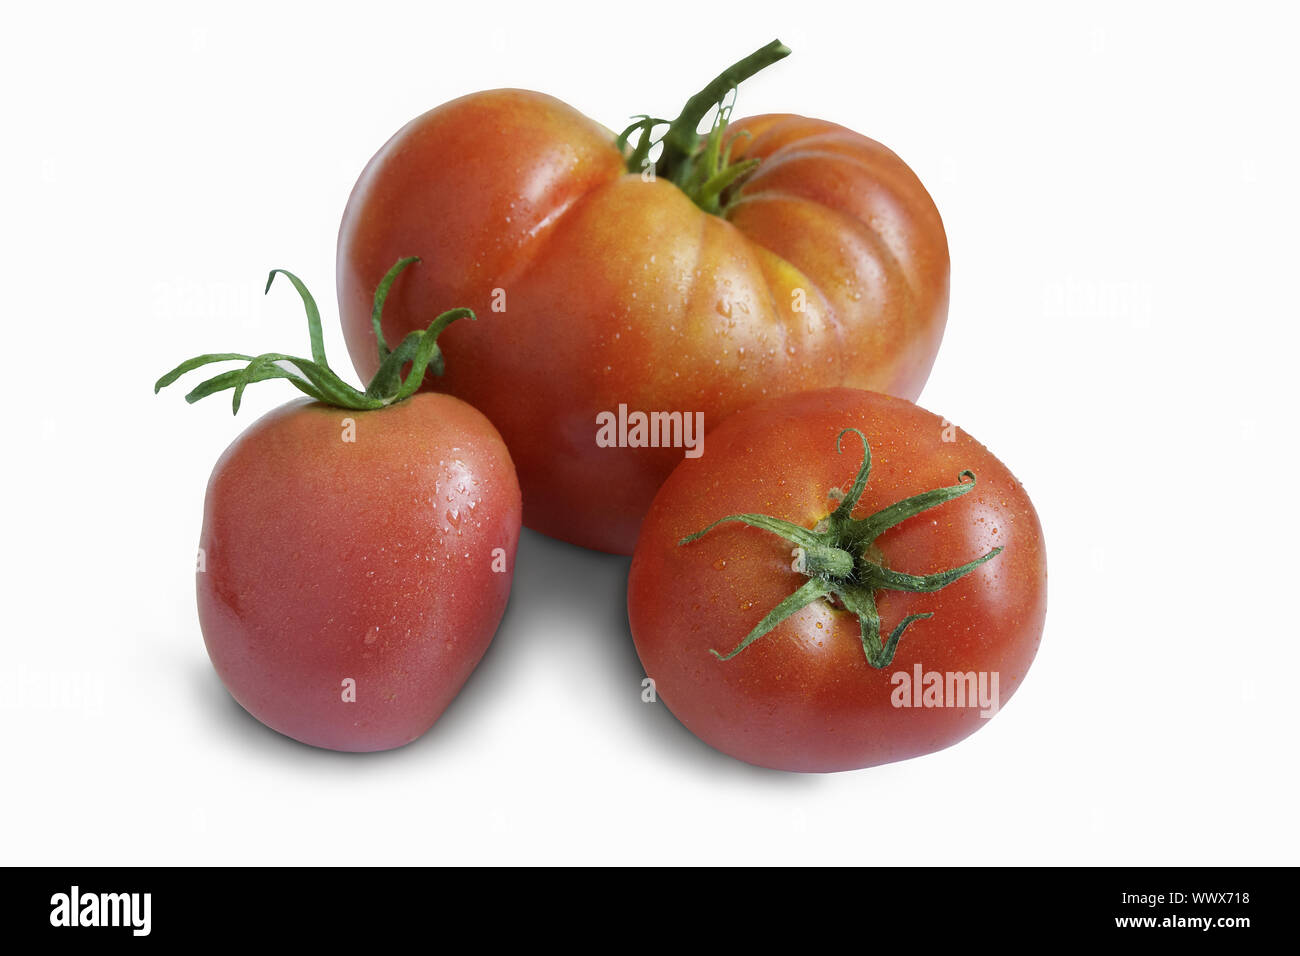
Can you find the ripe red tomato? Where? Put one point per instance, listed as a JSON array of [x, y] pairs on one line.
[[822, 689], [386, 562], [355, 561], [781, 254]]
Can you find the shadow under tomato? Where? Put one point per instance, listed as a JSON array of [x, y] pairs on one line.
[[589, 589]]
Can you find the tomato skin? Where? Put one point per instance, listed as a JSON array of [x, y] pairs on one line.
[[803, 697], [370, 560], [830, 268]]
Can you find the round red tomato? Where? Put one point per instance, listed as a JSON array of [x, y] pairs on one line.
[[898, 629], [780, 254]]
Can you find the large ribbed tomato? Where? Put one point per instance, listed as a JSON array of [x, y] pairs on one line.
[[700, 289]]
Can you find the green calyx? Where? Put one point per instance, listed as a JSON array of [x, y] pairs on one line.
[[839, 558], [702, 170], [313, 376]]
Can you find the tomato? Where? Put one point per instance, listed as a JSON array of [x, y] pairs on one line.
[[779, 254], [355, 561], [842, 676], [370, 562]]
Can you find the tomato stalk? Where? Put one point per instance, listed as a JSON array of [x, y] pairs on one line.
[[313, 376], [702, 171], [843, 564]]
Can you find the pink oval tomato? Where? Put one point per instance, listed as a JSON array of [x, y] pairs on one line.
[[356, 564], [823, 689]]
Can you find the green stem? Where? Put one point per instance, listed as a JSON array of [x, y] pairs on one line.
[[709, 196], [811, 590], [825, 561], [313, 376], [703, 172], [837, 556], [683, 133]]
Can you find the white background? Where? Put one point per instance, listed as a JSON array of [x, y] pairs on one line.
[[1119, 187]]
